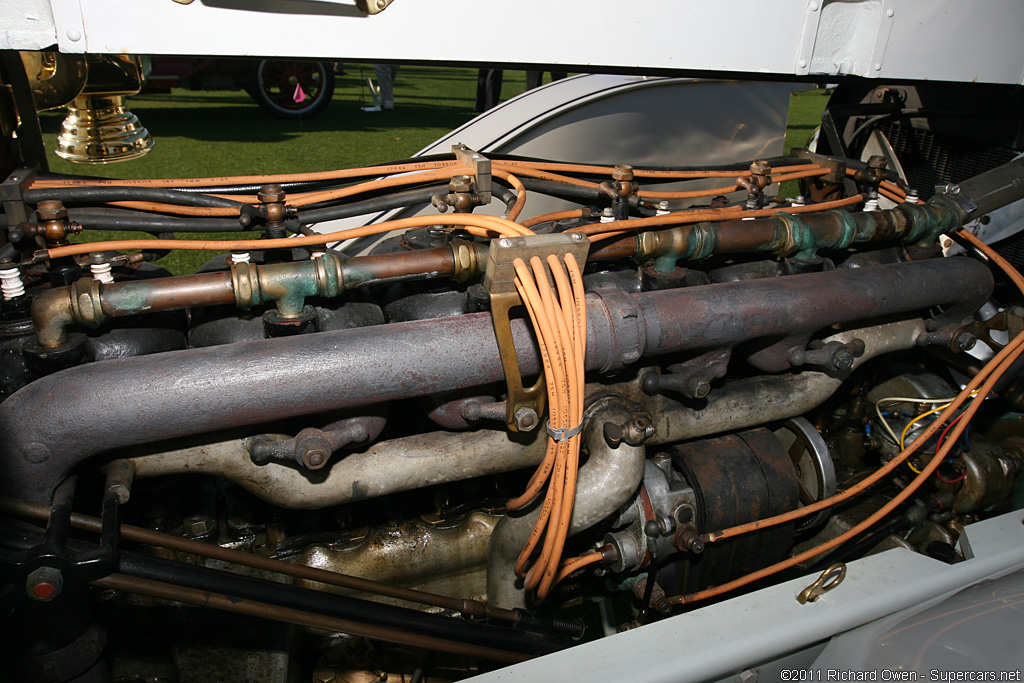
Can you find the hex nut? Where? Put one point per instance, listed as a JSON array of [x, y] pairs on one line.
[[623, 172], [51, 210], [44, 584], [271, 193], [760, 167], [525, 419], [460, 183]]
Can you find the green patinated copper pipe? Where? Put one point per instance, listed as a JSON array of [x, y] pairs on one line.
[[791, 235], [90, 303]]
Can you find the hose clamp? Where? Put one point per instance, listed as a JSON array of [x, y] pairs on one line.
[[563, 433]]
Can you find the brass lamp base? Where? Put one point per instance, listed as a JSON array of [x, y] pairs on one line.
[[99, 130]]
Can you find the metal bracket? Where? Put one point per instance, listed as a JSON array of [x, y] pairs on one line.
[[836, 165], [1010, 321], [481, 166], [524, 405], [12, 195], [829, 579]]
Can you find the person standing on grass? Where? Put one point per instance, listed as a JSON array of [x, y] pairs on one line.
[[386, 74]]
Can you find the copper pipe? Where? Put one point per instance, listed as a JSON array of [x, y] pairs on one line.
[[252, 608], [375, 267], [167, 294], [22, 508]]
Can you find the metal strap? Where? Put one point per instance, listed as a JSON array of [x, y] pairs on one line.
[[564, 433]]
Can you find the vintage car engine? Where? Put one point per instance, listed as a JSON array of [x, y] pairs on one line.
[[481, 438]]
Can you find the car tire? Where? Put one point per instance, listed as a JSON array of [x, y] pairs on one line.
[[273, 82]]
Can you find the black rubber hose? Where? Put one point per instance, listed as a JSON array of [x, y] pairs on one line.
[[343, 607], [142, 221], [386, 202], [116, 193], [314, 184]]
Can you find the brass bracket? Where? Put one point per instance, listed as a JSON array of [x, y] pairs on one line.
[[836, 165], [481, 166], [524, 405], [1010, 321]]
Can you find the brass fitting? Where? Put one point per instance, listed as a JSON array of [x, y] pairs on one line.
[[468, 259], [54, 225]]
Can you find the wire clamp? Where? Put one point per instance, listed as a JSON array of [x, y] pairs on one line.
[[562, 433]]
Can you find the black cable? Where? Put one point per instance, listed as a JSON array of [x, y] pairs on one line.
[[116, 193], [113, 218], [343, 607], [427, 158], [386, 202]]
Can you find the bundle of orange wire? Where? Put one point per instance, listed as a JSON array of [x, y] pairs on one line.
[[560, 321]]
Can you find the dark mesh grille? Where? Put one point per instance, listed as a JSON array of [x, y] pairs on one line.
[[930, 159]]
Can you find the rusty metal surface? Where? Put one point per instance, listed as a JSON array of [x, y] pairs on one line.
[[38, 512], [62, 419], [738, 478], [726, 313]]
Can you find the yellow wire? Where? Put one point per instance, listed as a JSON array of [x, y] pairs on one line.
[[903, 436]]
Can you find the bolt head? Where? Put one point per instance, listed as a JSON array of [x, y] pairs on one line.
[[842, 359], [505, 243], [966, 342]]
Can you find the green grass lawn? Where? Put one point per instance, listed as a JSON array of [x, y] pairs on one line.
[[215, 133]]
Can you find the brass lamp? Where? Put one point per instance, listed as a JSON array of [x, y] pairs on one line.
[[98, 128]]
